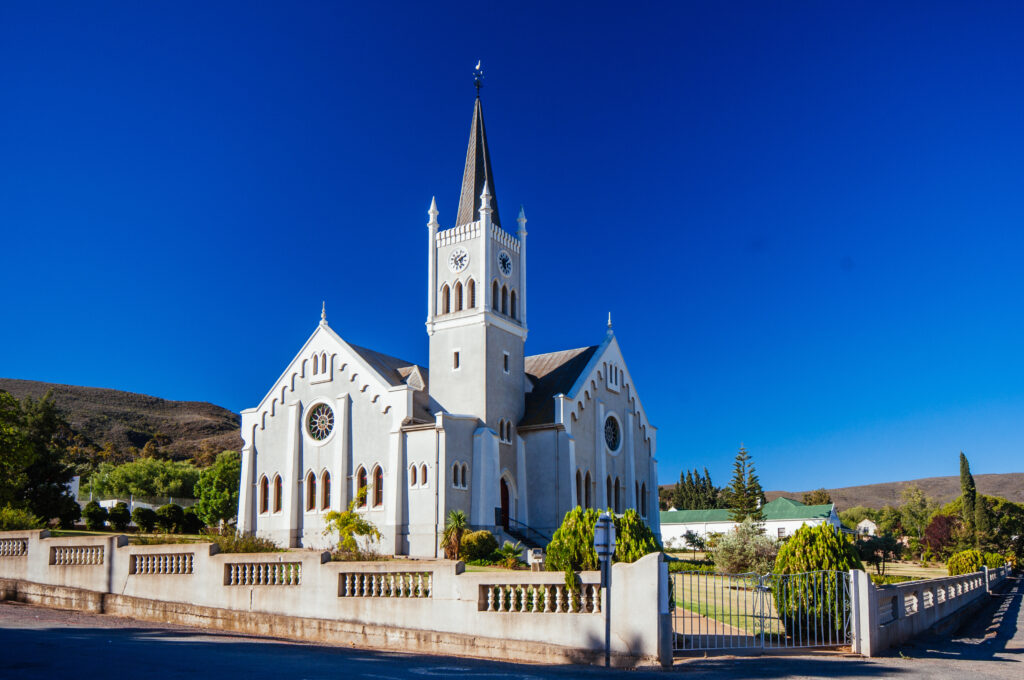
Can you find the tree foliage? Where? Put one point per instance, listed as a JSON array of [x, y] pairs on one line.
[[745, 495], [851, 517], [696, 492], [818, 497], [14, 519], [119, 517], [879, 550], [455, 526], [965, 562], [572, 546], [915, 510], [217, 488], [939, 534], [170, 518], [478, 545], [95, 516], [968, 494], [146, 477], [817, 548], [983, 533], [745, 549], [144, 518]]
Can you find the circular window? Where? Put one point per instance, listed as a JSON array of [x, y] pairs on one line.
[[611, 433], [320, 422]]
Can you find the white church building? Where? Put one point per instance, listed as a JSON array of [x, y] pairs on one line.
[[514, 441]]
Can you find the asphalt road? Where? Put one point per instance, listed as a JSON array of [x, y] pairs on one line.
[[44, 643]]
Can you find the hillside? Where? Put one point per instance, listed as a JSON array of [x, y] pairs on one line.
[[1009, 485], [129, 419]]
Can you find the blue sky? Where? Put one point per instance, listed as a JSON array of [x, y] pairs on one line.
[[805, 217]]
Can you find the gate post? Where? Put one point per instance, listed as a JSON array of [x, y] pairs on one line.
[[863, 612], [666, 634]]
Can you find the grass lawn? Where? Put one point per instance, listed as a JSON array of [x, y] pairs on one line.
[[916, 571], [730, 600], [172, 538]]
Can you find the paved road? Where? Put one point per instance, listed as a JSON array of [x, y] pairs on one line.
[[43, 643]]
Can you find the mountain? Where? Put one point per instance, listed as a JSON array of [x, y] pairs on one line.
[[130, 419], [1009, 485]]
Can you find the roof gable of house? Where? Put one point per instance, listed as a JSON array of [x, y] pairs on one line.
[[781, 509]]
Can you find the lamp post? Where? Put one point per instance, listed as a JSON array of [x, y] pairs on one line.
[[604, 546]]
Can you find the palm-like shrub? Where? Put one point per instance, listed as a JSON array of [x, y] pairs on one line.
[[965, 562], [350, 526], [808, 585], [454, 528]]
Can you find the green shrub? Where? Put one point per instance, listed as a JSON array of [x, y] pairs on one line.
[[633, 538], [192, 523], [964, 562], [679, 566], [509, 553], [170, 518], [233, 542], [889, 579], [745, 549], [812, 605], [144, 518], [14, 519], [572, 546], [994, 560], [119, 516], [95, 516], [70, 513], [478, 545]]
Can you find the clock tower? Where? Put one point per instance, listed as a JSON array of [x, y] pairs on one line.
[[476, 306]]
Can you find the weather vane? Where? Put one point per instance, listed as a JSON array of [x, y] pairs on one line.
[[478, 77]]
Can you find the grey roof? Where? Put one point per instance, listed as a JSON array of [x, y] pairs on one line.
[[551, 374], [478, 171], [392, 369]]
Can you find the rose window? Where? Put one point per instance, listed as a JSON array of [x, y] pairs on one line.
[[611, 433], [320, 422]]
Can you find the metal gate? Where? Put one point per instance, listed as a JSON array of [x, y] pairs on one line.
[[750, 611]]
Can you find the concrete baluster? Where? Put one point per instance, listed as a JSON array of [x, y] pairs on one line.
[[536, 597], [490, 598], [558, 598], [547, 598]]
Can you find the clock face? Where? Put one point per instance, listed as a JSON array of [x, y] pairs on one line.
[[458, 260], [505, 263]]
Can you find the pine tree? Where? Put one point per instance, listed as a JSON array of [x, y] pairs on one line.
[[968, 494], [745, 493]]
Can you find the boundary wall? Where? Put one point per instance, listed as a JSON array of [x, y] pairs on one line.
[[887, 616], [417, 606]]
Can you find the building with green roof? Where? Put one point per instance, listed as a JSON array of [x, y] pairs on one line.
[[783, 516]]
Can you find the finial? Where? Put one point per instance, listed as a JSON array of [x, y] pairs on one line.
[[522, 221], [478, 77], [485, 201], [323, 313], [432, 212], [610, 331]]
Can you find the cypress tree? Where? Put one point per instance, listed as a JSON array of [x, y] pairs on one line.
[[982, 524], [968, 495]]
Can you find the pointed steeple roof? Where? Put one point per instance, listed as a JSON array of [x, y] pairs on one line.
[[477, 173]]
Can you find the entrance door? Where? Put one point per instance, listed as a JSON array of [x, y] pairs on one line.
[[504, 504]]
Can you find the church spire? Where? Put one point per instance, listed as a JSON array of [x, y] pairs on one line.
[[477, 173]]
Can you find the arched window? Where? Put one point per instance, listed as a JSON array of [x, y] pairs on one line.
[[579, 488], [470, 294], [495, 300], [423, 474], [310, 491], [446, 299], [618, 496], [643, 499], [587, 483], [608, 492], [264, 495], [378, 487], [278, 493], [512, 303], [316, 365], [637, 484], [325, 491], [458, 296], [504, 300], [455, 475], [323, 362], [412, 475], [465, 479], [360, 485]]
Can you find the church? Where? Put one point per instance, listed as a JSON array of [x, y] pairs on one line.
[[513, 441]]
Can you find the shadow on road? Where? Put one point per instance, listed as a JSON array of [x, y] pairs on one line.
[[983, 638]]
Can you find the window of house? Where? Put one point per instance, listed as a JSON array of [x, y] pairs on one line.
[[579, 488], [458, 296], [495, 300], [782, 532], [455, 475], [323, 362], [618, 496], [446, 299], [587, 484], [608, 490], [512, 303], [264, 495], [316, 365], [423, 474], [378, 487], [455, 361], [470, 294], [310, 491], [504, 300], [325, 491], [506, 362], [360, 485], [465, 478], [278, 493], [643, 499], [412, 475]]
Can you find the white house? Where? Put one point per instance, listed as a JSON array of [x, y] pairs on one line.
[[514, 441], [866, 527], [782, 518]]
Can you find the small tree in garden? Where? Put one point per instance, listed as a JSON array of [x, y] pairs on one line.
[[144, 518], [119, 516], [217, 488], [633, 538], [744, 494], [695, 541], [170, 517], [813, 603], [745, 549], [509, 554], [351, 526], [95, 516], [965, 562], [455, 526], [572, 545], [478, 545], [879, 550]]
